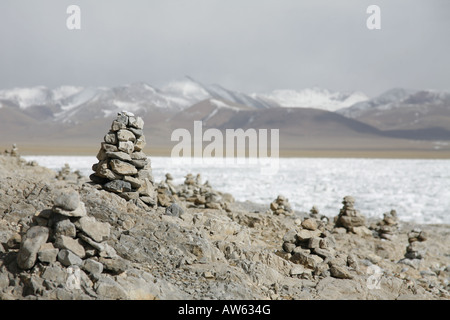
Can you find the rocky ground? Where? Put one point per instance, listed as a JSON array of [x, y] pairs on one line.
[[64, 237]]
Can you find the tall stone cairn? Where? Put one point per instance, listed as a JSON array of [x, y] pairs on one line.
[[123, 167]]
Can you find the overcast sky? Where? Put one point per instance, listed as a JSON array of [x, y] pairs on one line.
[[245, 45]]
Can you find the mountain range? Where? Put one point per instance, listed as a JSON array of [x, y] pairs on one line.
[[73, 118]]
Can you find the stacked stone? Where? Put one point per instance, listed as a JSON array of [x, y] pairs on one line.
[[68, 236], [14, 152], [350, 218], [123, 167], [315, 214], [415, 249], [281, 206], [200, 195], [67, 175], [312, 247], [388, 227]]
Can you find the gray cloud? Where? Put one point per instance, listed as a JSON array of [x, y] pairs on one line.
[[247, 45]]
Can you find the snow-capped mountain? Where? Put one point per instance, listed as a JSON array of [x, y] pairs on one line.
[[315, 98], [402, 109], [398, 98]]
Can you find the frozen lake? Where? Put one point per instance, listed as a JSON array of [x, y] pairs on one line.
[[418, 189]]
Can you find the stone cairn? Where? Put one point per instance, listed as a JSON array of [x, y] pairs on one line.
[[312, 248], [200, 195], [315, 214], [281, 206], [350, 218], [415, 249], [14, 152], [66, 174], [123, 167], [388, 227], [68, 236]]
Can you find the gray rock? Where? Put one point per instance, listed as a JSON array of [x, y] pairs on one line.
[[80, 211], [125, 135], [309, 224], [147, 189], [116, 125], [32, 242], [4, 281], [340, 272], [174, 210], [96, 230], [304, 234], [135, 182], [47, 253], [123, 119], [68, 258], [122, 168], [137, 132], [93, 267], [118, 186], [115, 265], [65, 228], [140, 144], [290, 236], [137, 122], [63, 242], [138, 156], [314, 242], [119, 155], [288, 247], [68, 200], [111, 138], [139, 163], [104, 249], [126, 146], [107, 288], [109, 147]]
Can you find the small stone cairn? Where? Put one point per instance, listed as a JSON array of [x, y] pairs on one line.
[[350, 218], [281, 206], [14, 152], [388, 227], [415, 249], [66, 174], [312, 248], [123, 167], [200, 195], [315, 214], [68, 236]]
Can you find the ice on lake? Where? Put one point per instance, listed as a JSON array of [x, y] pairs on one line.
[[418, 189]]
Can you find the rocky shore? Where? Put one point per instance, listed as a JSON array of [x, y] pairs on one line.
[[64, 236]]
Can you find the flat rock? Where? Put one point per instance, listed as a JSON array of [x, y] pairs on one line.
[[118, 155], [118, 186], [304, 234], [80, 211], [96, 230], [122, 168], [63, 242], [68, 258], [340, 272]]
